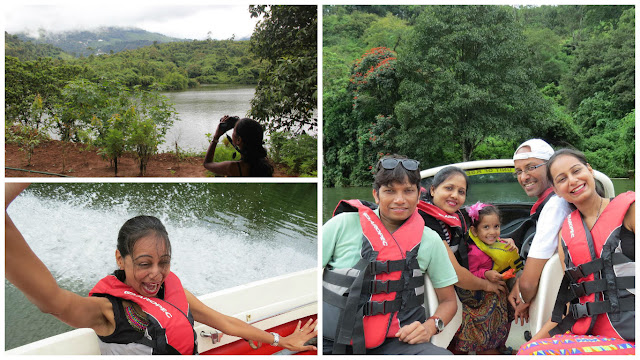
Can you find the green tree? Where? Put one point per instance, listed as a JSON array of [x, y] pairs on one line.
[[463, 79], [286, 96], [24, 81], [605, 63]]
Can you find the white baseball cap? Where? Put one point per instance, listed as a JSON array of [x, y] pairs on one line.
[[539, 150]]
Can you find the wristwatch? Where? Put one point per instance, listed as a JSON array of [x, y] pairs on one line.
[[276, 339], [439, 324]]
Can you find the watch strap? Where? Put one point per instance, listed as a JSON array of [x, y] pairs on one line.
[[437, 320], [276, 339]]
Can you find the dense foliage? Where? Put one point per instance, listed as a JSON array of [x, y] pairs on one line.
[[445, 84], [170, 66], [286, 39]]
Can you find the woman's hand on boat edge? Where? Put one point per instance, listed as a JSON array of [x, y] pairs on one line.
[[295, 341]]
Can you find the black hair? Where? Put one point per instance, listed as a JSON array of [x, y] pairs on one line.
[[444, 174], [487, 210], [138, 227], [566, 151], [386, 177], [253, 153]]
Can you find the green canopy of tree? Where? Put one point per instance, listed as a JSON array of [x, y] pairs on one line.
[[471, 82], [286, 38]]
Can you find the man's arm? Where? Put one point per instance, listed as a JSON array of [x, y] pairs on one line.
[[543, 245], [417, 333], [530, 278]]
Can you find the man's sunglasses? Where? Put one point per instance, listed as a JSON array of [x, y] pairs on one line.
[[409, 164]]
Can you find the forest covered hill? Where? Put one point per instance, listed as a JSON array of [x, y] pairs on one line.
[[103, 40]]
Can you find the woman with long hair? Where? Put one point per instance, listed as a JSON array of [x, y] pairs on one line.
[[481, 299], [142, 308], [247, 139], [595, 307]]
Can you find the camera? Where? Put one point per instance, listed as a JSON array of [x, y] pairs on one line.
[[228, 124]]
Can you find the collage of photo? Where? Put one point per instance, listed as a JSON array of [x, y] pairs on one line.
[[418, 179]]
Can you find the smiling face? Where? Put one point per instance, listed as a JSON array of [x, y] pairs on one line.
[[534, 182], [488, 229], [572, 180], [450, 194], [147, 266], [396, 201]]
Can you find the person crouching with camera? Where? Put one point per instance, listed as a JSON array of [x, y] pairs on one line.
[[247, 139]]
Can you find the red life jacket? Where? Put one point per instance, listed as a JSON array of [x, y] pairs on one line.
[[598, 275], [457, 228], [169, 316], [536, 209], [386, 282]]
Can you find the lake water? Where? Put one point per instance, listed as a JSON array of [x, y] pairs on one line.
[[200, 110], [222, 235], [480, 192]]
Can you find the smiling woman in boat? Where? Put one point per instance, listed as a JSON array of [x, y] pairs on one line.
[[595, 307], [142, 308]]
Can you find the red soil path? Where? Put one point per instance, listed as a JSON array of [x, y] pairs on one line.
[[48, 157]]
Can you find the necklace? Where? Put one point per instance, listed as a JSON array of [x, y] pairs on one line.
[[136, 320], [597, 216]]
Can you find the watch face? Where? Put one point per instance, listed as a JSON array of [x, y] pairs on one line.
[[439, 324]]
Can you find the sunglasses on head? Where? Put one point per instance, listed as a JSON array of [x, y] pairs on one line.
[[390, 164]]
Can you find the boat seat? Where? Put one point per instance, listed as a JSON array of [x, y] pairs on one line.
[[542, 305], [431, 303], [75, 342]]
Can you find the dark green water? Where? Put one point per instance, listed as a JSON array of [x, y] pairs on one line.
[[222, 235]]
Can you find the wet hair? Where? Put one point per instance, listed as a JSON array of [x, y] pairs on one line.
[[386, 177], [487, 210], [253, 153], [138, 227], [442, 176], [566, 151]]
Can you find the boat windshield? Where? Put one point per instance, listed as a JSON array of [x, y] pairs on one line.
[[495, 185]]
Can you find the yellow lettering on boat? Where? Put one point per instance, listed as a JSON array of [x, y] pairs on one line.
[[506, 170]]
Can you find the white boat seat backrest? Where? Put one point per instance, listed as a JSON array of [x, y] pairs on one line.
[[542, 305], [431, 303]]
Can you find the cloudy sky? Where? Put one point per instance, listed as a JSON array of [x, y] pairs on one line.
[[184, 21]]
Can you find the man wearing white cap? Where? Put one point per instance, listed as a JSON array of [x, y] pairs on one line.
[[549, 210]]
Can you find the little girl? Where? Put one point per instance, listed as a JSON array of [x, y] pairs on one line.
[[485, 328], [490, 257]]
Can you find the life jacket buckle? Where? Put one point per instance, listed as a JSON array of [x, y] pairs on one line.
[[579, 310], [379, 286], [577, 289], [378, 267], [574, 273], [375, 308]]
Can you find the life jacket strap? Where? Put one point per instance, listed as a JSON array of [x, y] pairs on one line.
[[378, 286], [583, 270], [590, 287], [594, 308], [335, 278], [379, 267], [385, 307]]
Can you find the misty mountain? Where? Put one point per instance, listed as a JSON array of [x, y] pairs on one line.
[[99, 41]]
